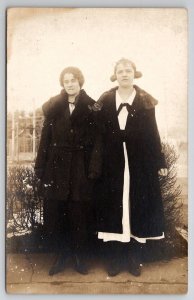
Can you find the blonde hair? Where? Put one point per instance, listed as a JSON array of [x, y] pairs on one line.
[[124, 61]]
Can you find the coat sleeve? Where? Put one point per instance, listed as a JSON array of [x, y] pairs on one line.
[[154, 139], [95, 165], [97, 153], [42, 154]]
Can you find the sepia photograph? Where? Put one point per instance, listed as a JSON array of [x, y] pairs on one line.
[[97, 151]]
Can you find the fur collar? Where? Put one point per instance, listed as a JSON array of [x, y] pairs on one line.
[[145, 100], [57, 104]]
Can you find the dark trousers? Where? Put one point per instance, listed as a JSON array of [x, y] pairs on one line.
[[68, 225]]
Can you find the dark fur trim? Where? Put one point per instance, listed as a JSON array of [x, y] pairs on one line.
[[56, 104], [148, 101]]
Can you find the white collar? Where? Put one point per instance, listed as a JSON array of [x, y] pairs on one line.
[[119, 100]]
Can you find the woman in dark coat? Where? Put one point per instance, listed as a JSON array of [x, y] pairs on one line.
[[129, 204], [64, 163]]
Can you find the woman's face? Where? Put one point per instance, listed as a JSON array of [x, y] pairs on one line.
[[71, 84], [125, 75]]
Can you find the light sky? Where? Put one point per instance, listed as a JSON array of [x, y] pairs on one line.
[[41, 42]]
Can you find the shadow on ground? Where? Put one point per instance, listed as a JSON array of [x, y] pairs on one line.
[[173, 246]]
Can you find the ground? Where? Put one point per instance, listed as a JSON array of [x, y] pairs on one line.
[[28, 274]]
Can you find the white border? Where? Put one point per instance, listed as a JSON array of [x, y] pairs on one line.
[[189, 4]]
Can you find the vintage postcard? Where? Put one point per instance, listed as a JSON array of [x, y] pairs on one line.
[[96, 196]]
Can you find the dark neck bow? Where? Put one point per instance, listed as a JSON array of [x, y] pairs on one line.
[[127, 105]]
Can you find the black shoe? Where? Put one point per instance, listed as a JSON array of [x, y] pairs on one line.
[[58, 266], [134, 267], [80, 265], [114, 268], [113, 271]]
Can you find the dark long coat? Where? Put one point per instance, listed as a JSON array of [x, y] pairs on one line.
[[66, 153], [145, 159]]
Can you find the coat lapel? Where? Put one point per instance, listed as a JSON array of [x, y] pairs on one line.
[[81, 108], [111, 111], [136, 106]]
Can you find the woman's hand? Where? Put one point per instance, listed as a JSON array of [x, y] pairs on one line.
[[163, 172]]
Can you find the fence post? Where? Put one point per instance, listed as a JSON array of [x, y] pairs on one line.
[[34, 132], [13, 138], [17, 141]]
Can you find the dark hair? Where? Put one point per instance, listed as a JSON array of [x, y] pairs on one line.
[[76, 73], [137, 74]]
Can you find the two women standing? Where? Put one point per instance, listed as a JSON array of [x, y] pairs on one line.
[[117, 142]]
